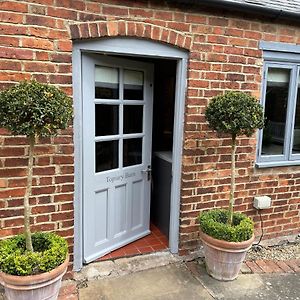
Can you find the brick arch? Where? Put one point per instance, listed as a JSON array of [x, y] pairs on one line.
[[130, 29]]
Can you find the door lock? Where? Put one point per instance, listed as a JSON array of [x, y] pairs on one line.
[[148, 171]]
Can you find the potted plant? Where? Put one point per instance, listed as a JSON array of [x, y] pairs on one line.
[[32, 265], [227, 235]]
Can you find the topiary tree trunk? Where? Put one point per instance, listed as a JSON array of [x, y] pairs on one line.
[[35, 110], [27, 210], [232, 182], [234, 113]]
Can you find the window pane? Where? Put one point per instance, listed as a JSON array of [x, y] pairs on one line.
[[106, 83], [107, 155], [132, 152], [133, 119], [276, 101], [106, 119], [133, 85], [296, 142]]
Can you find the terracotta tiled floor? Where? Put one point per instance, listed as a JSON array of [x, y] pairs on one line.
[[155, 241]]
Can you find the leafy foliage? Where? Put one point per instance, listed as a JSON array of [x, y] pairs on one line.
[[236, 113], [36, 110], [50, 251], [215, 224], [31, 108]]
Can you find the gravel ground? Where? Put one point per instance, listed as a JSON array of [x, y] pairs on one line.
[[284, 251]]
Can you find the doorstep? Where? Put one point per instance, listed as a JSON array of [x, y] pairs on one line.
[[125, 265]]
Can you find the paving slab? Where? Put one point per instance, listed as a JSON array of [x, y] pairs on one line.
[[172, 282], [124, 266], [285, 286], [251, 286]]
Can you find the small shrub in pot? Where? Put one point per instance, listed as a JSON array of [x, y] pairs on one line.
[[50, 251], [215, 224]]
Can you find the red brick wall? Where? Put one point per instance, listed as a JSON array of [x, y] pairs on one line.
[[35, 42]]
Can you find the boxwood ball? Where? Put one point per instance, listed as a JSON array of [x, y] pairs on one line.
[[236, 113], [34, 109]]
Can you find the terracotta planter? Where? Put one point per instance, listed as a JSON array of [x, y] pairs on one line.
[[224, 259], [34, 287]]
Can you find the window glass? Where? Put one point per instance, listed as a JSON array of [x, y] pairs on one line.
[[106, 83], [106, 119], [296, 141], [276, 102], [133, 85], [132, 152], [107, 155], [133, 118]]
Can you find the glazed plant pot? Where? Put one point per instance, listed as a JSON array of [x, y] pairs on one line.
[[224, 259], [34, 287]]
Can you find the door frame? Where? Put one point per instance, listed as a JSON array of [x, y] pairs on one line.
[[136, 48]]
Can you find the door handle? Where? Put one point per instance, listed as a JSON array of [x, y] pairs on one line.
[[148, 171]]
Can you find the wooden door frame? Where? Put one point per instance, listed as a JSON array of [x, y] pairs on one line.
[[136, 48]]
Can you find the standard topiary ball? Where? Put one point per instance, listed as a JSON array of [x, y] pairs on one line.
[[235, 113], [31, 108]]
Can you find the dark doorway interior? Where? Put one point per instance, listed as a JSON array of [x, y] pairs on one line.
[[162, 142]]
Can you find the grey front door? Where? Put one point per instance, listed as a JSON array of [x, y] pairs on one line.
[[117, 129]]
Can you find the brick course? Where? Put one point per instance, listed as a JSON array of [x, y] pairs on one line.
[[36, 42]]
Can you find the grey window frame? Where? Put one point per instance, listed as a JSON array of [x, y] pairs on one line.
[[286, 56]]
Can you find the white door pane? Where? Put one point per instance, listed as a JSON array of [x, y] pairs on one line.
[[137, 204], [100, 206], [120, 204]]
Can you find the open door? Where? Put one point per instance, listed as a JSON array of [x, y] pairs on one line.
[[117, 129]]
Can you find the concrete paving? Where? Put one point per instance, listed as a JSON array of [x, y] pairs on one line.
[[163, 283], [275, 286], [190, 281], [164, 277]]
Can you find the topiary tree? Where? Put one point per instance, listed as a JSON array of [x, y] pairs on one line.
[[234, 113], [35, 110]]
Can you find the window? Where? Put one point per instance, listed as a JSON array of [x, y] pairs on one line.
[[279, 141]]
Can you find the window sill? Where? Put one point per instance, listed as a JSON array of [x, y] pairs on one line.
[[277, 164]]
